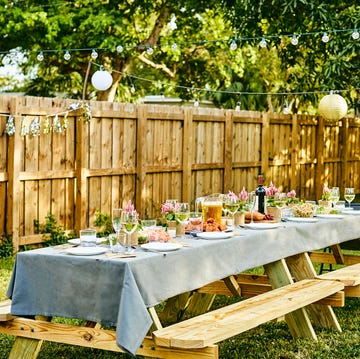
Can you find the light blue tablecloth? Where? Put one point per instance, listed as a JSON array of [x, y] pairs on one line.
[[119, 291]]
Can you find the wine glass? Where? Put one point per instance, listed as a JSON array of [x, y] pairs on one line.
[[116, 214], [334, 196], [182, 213], [251, 202], [129, 222], [231, 205], [349, 194]]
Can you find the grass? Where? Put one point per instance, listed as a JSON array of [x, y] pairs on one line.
[[268, 341]]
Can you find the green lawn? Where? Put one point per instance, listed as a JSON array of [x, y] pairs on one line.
[[270, 341]]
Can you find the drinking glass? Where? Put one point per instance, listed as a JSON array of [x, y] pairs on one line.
[[182, 213], [231, 206], [349, 194], [334, 196], [251, 202], [129, 222], [116, 214]]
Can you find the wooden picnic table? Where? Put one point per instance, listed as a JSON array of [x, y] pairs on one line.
[[48, 282]]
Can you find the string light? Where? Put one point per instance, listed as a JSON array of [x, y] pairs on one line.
[[325, 38], [294, 40], [94, 54], [196, 102], [40, 56], [355, 34], [119, 49], [238, 106], [263, 43], [233, 45], [174, 47], [67, 55], [286, 109], [150, 50], [132, 88]]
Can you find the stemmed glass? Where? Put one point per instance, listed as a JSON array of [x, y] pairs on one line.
[[116, 215], [349, 195], [251, 202], [129, 222], [334, 196], [182, 213], [231, 206]]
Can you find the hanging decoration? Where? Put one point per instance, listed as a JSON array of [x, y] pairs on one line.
[[51, 123], [333, 107], [101, 80], [10, 126]]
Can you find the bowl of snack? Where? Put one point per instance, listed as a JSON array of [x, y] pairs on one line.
[[305, 210]]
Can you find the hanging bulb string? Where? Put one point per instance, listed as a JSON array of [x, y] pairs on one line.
[[232, 41], [238, 93]]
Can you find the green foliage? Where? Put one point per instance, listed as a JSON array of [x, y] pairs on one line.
[[52, 228], [6, 246], [104, 224]]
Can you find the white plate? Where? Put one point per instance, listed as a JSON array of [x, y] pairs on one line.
[[86, 251], [351, 211], [215, 235], [302, 219], [263, 225], [330, 216], [76, 241], [161, 246]]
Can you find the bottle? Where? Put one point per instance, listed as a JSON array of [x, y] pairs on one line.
[[260, 195]]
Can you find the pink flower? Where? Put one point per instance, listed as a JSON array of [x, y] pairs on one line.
[[271, 191], [291, 194], [232, 195], [129, 207], [243, 195]]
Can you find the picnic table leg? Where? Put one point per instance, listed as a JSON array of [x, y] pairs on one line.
[[298, 321], [25, 348], [301, 267]]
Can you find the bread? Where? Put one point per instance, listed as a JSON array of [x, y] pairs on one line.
[[257, 216]]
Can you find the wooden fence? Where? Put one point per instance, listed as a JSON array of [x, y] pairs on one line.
[[148, 153]]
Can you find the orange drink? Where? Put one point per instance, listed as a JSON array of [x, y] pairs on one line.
[[212, 208]]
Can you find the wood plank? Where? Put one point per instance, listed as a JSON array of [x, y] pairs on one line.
[[87, 337], [349, 276], [5, 307], [223, 323]]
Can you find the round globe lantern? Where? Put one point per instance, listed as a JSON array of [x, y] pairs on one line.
[[333, 107], [101, 80]]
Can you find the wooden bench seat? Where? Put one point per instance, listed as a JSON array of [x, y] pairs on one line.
[[349, 276], [215, 326], [5, 311]]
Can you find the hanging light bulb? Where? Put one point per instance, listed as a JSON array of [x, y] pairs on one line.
[[294, 40], [238, 106], [119, 49], [355, 34], [286, 109], [196, 102], [233, 45], [162, 96], [174, 47], [150, 50], [132, 88], [101, 80], [94, 54], [263, 43], [325, 38], [40, 56], [67, 55]]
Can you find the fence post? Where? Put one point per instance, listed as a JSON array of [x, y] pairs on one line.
[[265, 145], [344, 157], [187, 151], [14, 184], [82, 172], [294, 180], [140, 160], [319, 170]]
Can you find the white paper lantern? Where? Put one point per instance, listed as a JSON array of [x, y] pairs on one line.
[[333, 107], [101, 80]]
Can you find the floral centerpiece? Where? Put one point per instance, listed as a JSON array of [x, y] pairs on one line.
[[243, 198], [168, 210], [131, 222], [272, 194], [325, 193]]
